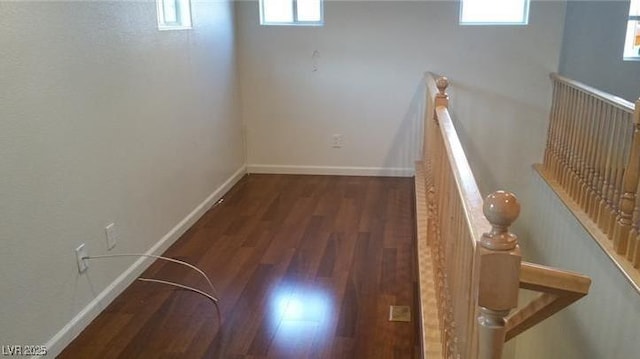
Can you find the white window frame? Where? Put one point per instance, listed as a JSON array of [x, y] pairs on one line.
[[629, 53], [295, 22], [183, 14], [525, 18]]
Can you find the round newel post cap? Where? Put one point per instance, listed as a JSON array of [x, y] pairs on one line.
[[501, 209], [442, 83]]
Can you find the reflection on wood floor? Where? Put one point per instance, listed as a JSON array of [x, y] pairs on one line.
[[305, 266]]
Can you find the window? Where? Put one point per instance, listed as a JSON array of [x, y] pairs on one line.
[[494, 12], [291, 12], [174, 14], [632, 41]]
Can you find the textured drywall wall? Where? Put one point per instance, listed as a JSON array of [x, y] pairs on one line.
[[103, 119], [593, 45], [359, 75], [601, 325]]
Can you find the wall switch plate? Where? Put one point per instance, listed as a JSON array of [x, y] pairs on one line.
[[81, 252], [336, 140], [112, 236]]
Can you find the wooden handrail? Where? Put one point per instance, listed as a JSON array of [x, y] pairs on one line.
[[470, 196], [469, 262], [604, 96], [467, 187], [559, 289]]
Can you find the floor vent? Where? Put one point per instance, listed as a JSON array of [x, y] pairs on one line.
[[399, 313]]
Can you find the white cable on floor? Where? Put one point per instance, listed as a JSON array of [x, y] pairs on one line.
[[179, 286], [177, 261]]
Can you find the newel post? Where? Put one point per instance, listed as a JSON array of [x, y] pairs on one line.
[[629, 186], [442, 99], [499, 273]]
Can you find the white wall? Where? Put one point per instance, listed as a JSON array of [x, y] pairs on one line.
[[103, 119], [604, 324], [367, 85], [592, 47]]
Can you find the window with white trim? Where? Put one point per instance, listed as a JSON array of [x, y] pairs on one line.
[[174, 14], [494, 12], [291, 12], [632, 40]]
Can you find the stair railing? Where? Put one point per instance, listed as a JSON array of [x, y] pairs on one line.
[[470, 266]]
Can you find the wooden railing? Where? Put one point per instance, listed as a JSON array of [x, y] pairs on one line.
[[469, 262], [592, 161]]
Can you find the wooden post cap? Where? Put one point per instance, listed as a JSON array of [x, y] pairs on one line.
[[501, 209], [442, 83]]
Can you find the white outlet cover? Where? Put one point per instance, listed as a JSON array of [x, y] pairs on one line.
[[112, 236], [336, 140], [81, 252]]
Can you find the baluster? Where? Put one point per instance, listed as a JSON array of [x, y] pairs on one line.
[[555, 121], [630, 185], [571, 154], [582, 124], [589, 196], [634, 231], [605, 203], [589, 163], [575, 145], [499, 273], [550, 155], [636, 254], [600, 164], [563, 136], [623, 135]]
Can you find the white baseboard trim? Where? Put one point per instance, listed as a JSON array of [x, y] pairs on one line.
[[64, 336], [333, 171]]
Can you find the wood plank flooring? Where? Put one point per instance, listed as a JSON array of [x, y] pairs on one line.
[[305, 266]]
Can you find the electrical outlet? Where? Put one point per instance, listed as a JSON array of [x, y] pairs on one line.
[[81, 252], [112, 236], [336, 140]]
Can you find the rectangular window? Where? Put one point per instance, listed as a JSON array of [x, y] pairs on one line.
[[291, 12], [632, 40], [174, 14], [494, 12]]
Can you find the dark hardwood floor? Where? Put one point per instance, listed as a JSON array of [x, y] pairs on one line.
[[305, 266]]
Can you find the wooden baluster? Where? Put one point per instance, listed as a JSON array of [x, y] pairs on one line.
[[633, 233], [605, 203], [623, 137], [636, 254], [582, 198], [551, 149], [588, 162], [499, 273], [566, 135], [557, 138], [600, 164], [630, 185], [568, 174], [582, 124], [589, 196], [563, 135], [575, 144]]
